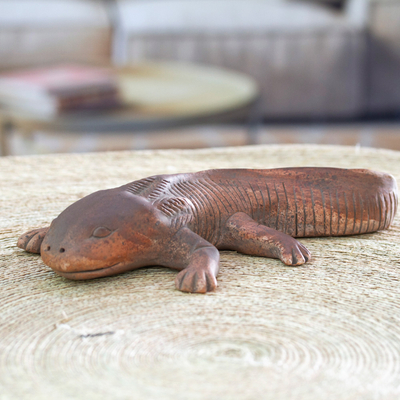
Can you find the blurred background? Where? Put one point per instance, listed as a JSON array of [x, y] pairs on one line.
[[206, 73]]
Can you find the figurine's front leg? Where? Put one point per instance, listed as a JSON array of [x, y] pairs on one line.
[[197, 259], [200, 274], [32, 240]]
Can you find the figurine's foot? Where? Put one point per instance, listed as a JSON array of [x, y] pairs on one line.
[[32, 240], [292, 252], [196, 280]]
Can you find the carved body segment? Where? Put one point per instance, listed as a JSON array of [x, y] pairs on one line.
[[300, 202]]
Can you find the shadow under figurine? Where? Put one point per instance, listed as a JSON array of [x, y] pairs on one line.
[[180, 221]]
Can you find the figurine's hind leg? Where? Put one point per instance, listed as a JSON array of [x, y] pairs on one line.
[[245, 235], [32, 240]]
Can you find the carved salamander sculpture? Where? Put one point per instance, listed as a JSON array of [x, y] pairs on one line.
[[179, 221]]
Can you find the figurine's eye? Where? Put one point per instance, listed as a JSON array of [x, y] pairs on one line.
[[101, 232]]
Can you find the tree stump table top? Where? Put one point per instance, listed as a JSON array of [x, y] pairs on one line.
[[328, 329]]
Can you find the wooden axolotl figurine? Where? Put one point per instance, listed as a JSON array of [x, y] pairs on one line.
[[180, 221]]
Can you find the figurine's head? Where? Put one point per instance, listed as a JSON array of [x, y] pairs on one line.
[[105, 233]]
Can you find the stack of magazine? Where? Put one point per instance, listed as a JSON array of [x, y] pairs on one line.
[[51, 91]]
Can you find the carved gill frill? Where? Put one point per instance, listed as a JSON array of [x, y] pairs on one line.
[[159, 192], [150, 188], [178, 209]]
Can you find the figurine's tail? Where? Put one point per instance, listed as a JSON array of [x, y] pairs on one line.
[[307, 202], [310, 201], [347, 203]]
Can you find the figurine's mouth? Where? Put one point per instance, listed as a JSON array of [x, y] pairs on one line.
[[98, 273]]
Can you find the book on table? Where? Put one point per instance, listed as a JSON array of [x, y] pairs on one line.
[[51, 91]]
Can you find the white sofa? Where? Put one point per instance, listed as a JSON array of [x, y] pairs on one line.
[[306, 58]]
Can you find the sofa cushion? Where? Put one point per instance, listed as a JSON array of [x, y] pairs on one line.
[[28, 13], [40, 31]]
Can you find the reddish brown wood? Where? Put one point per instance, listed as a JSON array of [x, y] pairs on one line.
[[180, 221]]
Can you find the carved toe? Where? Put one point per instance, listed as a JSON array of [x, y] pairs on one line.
[[25, 238], [306, 253], [211, 282]]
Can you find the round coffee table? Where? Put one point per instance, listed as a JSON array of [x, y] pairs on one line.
[[156, 96]]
